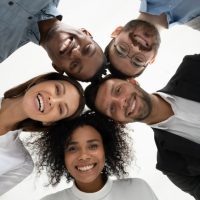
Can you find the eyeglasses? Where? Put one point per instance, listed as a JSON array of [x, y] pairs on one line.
[[123, 49]]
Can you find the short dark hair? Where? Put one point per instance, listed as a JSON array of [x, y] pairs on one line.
[[129, 26], [92, 89], [50, 146]]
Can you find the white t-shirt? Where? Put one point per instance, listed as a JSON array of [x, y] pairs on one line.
[[15, 161], [186, 119], [128, 189]]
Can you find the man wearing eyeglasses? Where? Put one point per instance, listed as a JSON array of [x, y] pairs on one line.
[[135, 45], [132, 48], [173, 113]]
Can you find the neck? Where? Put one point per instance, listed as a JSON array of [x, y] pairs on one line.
[[11, 109], [93, 186], [161, 110], [45, 26], [160, 21]]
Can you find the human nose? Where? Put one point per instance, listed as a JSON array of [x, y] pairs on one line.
[[84, 154], [133, 50], [121, 102], [53, 100], [76, 52]]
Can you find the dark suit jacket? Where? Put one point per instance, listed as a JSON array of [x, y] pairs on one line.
[[177, 154]]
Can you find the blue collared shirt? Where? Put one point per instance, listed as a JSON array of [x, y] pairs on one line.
[[177, 11], [19, 22]]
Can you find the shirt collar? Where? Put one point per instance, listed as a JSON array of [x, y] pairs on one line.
[[92, 196]]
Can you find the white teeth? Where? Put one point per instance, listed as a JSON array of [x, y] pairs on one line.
[[133, 106], [141, 41], [85, 168], [40, 103], [65, 45]]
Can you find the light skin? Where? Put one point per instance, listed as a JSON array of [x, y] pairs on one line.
[[71, 50], [47, 102], [85, 158], [125, 102], [139, 42]]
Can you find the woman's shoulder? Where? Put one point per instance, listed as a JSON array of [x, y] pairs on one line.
[[61, 195], [136, 187], [130, 181]]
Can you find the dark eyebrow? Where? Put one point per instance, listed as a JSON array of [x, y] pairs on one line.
[[88, 141], [112, 89], [72, 143], [63, 86], [64, 92], [93, 140]]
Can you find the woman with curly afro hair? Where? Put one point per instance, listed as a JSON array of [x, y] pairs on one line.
[[88, 150]]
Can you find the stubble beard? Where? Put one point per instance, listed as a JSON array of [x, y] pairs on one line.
[[146, 108]]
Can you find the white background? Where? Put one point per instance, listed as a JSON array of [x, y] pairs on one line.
[[100, 17]]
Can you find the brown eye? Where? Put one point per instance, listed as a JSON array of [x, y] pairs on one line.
[[112, 109], [118, 90], [71, 149], [73, 65], [121, 50], [57, 89], [61, 110], [93, 146]]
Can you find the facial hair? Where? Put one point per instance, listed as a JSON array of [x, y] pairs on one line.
[[147, 105]]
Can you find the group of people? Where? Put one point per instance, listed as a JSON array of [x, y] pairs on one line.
[[90, 147]]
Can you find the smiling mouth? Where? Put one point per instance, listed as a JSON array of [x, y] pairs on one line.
[[86, 167], [130, 105], [139, 41], [40, 103], [67, 46]]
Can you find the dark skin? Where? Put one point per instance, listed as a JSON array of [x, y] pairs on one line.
[[45, 26]]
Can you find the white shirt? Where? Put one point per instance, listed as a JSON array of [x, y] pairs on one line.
[[186, 119], [15, 161], [128, 189]]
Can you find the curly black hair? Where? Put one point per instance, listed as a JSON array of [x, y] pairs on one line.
[[50, 146]]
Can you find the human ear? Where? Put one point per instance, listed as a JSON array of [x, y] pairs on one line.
[[57, 68], [86, 32], [116, 32], [152, 60], [132, 81]]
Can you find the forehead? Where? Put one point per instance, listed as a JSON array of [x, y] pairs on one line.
[[108, 84], [104, 93], [85, 133]]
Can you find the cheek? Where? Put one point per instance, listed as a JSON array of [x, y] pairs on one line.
[[68, 161], [102, 160], [52, 116]]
